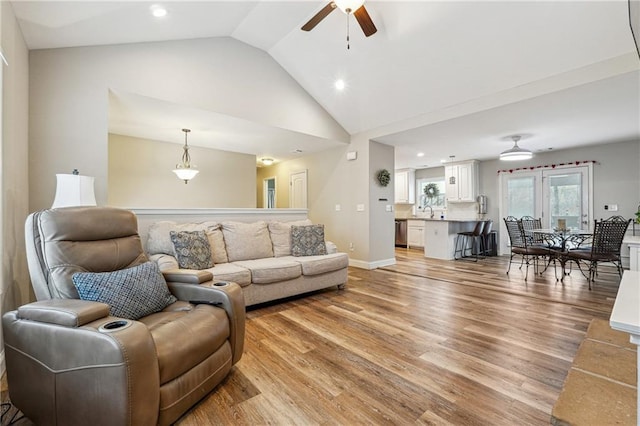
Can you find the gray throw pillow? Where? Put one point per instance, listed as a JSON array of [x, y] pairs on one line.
[[308, 240], [192, 249], [130, 293]]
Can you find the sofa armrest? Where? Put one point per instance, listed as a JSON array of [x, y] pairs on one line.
[[165, 262], [115, 370], [187, 276], [231, 299], [65, 312], [331, 247]]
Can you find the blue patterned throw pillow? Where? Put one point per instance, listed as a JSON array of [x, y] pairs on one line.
[[192, 249], [131, 293], [308, 240]]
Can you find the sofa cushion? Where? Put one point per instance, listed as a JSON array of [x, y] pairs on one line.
[[281, 236], [271, 270], [130, 293], [308, 240], [216, 241], [192, 249], [315, 265], [231, 272], [245, 241]]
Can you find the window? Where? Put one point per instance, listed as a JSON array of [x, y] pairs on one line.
[[434, 201]]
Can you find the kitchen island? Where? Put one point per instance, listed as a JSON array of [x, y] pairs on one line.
[[440, 236]]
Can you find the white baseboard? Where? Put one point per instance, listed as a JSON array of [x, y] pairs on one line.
[[371, 265]]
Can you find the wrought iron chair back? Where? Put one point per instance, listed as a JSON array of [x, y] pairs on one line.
[[608, 235], [606, 242], [516, 232]]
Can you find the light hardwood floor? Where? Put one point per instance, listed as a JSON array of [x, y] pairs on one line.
[[423, 341], [420, 342]]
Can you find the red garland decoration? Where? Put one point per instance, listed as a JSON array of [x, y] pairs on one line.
[[546, 166]]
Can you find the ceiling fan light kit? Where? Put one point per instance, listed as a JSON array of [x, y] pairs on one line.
[[516, 153], [185, 170], [349, 6]]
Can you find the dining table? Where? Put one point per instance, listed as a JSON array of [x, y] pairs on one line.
[[560, 241]]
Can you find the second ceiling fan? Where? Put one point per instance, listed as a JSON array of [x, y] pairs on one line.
[[350, 7]]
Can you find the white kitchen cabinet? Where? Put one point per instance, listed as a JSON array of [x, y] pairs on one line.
[[461, 181], [415, 233], [405, 186]]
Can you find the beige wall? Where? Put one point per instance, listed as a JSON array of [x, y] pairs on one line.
[[140, 176], [69, 98], [15, 288]]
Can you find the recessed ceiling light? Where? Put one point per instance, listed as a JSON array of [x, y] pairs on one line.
[[340, 84], [158, 11], [421, 154], [443, 161]]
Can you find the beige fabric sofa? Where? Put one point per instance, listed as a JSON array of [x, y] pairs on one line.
[[255, 255]]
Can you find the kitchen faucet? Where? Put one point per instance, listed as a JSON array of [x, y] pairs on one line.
[[430, 208]]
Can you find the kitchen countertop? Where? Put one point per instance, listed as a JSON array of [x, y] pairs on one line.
[[436, 219]]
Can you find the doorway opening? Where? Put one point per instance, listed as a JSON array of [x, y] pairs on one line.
[[269, 193]]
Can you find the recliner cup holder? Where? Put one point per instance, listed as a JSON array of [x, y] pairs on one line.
[[112, 326], [220, 283]]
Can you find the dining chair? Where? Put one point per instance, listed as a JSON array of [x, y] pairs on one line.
[[606, 242], [522, 246]]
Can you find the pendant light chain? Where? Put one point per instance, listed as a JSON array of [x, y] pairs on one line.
[[186, 158]]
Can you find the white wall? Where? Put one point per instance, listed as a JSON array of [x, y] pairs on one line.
[[69, 124], [69, 95], [140, 176], [382, 238]]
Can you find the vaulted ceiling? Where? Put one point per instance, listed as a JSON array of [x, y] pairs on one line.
[[439, 77]]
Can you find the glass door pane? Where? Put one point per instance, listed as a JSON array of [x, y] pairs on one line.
[[521, 196], [565, 197]]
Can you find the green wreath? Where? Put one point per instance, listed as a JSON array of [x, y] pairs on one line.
[[384, 177], [431, 190]]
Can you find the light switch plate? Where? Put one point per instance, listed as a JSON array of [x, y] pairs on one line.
[[338, 207], [613, 207], [360, 207], [388, 208]]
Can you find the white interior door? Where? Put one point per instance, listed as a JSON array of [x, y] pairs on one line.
[[298, 190]]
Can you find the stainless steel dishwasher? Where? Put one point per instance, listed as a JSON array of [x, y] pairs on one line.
[[401, 232]]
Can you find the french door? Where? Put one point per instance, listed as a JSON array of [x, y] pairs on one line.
[[560, 193]]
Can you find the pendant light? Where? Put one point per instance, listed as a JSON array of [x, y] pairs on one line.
[[185, 170], [516, 153]]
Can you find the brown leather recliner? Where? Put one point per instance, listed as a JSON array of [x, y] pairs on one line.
[[69, 362]]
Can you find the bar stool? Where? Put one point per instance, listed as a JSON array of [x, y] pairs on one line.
[[462, 242], [486, 238]]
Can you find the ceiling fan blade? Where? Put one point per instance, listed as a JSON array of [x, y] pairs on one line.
[[319, 17], [363, 18]]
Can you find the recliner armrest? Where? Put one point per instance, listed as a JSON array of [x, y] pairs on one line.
[[65, 312], [189, 276], [331, 247]]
